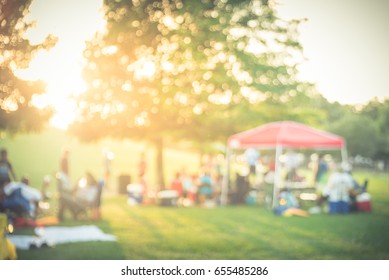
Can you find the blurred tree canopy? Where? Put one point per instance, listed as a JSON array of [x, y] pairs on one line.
[[365, 128], [17, 113], [360, 133], [191, 70], [378, 112]]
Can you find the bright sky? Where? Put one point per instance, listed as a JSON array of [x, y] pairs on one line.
[[345, 42], [72, 22]]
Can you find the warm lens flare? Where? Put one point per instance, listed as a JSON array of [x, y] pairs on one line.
[[61, 66], [62, 75]]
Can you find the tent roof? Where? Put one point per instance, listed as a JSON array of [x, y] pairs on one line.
[[287, 134]]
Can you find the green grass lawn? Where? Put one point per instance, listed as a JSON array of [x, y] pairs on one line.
[[233, 232]]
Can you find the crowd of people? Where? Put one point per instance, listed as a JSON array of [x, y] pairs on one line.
[[183, 190], [339, 189], [197, 189], [330, 185], [336, 190], [335, 187], [22, 203]]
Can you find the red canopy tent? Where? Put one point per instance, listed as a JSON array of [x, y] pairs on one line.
[[280, 135]]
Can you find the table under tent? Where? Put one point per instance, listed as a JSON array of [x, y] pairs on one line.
[[278, 137]]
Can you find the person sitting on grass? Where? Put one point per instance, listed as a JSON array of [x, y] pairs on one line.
[[88, 194], [356, 188], [85, 195], [21, 198], [288, 205]]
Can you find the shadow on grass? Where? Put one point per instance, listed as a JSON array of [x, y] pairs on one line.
[[246, 233]]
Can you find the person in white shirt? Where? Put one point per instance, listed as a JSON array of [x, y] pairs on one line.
[[340, 183], [30, 195], [252, 158]]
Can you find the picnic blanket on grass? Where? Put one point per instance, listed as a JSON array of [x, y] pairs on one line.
[[50, 236]]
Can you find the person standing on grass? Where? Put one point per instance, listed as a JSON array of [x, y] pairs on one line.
[[64, 162], [107, 166], [6, 171], [177, 185], [63, 174], [321, 171], [142, 165]]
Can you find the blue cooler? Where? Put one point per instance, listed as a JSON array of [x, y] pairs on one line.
[[339, 207]]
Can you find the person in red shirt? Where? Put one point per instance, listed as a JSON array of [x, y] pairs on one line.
[[177, 185], [142, 166]]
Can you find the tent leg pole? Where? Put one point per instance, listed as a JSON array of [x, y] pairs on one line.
[[277, 179], [344, 153]]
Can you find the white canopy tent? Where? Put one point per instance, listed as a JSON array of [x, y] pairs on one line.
[[279, 136]]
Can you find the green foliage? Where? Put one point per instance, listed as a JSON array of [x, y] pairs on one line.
[[361, 134], [16, 111], [366, 128], [378, 112], [212, 67]]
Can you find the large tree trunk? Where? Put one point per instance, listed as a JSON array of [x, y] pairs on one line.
[[159, 163]]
